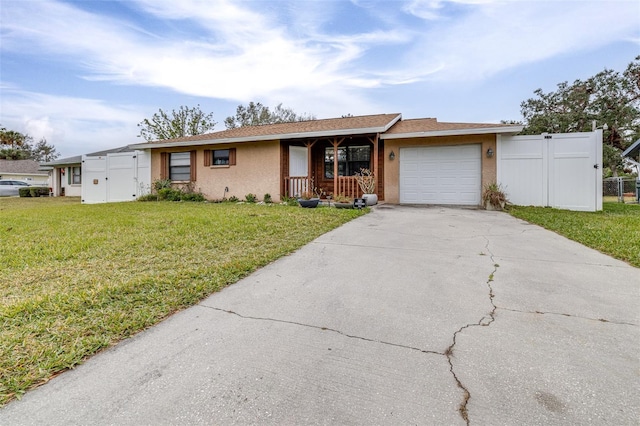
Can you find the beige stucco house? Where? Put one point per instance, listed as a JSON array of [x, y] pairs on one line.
[[24, 170], [418, 161]]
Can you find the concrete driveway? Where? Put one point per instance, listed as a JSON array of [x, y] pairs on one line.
[[404, 316]]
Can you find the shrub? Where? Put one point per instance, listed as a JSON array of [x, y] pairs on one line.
[[250, 198], [192, 196], [267, 198], [24, 192], [494, 195], [290, 201], [169, 194], [159, 184], [39, 191], [148, 197], [233, 199], [341, 198]]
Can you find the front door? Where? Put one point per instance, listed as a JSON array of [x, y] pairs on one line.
[[298, 168]]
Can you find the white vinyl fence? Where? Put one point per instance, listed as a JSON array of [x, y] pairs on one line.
[[113, 177], [561, 170]]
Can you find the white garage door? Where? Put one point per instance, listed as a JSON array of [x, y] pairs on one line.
[[441, 175]]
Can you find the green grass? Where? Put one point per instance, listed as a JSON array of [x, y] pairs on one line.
[[75, 278], [614, 231]]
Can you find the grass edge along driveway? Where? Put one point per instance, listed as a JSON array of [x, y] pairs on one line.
[[614, 231], [76, 279]]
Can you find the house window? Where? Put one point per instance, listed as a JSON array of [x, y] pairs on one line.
[[350, 160], [76, 175], [180, 166], [220, 157]]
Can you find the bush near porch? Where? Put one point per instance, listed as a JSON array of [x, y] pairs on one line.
[[78, 278], [614, 231]]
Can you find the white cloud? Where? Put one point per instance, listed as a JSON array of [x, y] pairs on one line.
[[307, 55], [241, 55], [72, 125], [493, 36]]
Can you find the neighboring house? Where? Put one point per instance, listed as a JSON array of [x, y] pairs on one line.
[[25, 170], [66, 173], [419, 161], [632, 154]]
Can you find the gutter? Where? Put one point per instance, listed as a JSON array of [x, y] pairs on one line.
[[458, 132]]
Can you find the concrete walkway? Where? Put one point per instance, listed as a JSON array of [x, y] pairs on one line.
[[405, 316]]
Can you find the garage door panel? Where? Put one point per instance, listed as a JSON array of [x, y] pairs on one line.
[[445, 175], [428, 181]]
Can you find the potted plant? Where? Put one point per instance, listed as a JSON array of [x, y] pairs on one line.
[[341, 201], [367, 183], [308, 199], [494, 197]]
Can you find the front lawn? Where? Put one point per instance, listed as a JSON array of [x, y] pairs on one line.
[[75, 278], [614, 231]]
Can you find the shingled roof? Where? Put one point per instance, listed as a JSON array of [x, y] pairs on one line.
[[77, 159], [30, 167], [363, 124], [432, 127]]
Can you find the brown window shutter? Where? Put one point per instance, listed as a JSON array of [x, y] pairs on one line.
[[232, 156], [193, 165], [207, 157], [164, 165]]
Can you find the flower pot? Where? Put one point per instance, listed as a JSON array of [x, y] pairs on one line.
[[371, 199], [343, 205], [309, 204], [491, 207]]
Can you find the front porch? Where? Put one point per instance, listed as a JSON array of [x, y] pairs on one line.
[[311, 166]]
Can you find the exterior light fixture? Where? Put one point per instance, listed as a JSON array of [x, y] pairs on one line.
[[392, 156], [490, 153]]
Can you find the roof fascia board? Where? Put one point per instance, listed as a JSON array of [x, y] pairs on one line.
[[66, 163], [261, 138], [392, 122], [633, 147], [458, 132], [24, 173]]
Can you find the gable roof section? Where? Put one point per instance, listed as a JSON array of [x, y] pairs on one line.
[[364, 124], [428, 127], [633, 150], [30, 167], [77, 159]]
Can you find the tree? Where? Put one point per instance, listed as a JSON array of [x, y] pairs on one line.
[[14, 145], [12, 138], [18, 146], [184, 122], [43, 152], [256, 114], [609, 97]]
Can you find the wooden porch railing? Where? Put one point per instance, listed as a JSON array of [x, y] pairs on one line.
[[296, 185], [348, 185]]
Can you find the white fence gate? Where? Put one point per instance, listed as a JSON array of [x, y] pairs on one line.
[[122, 176], [561, 170]]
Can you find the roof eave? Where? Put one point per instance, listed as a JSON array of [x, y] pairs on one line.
[[301, 135], [456, 132], [634, 147]]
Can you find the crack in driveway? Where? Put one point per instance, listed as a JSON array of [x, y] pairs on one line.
[[568, 315], [333, 330], [485, 321]]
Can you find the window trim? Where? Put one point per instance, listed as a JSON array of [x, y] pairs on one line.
[[165, 165], [209, 158]]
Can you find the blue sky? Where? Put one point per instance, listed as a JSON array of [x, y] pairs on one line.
[[84, 73]]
